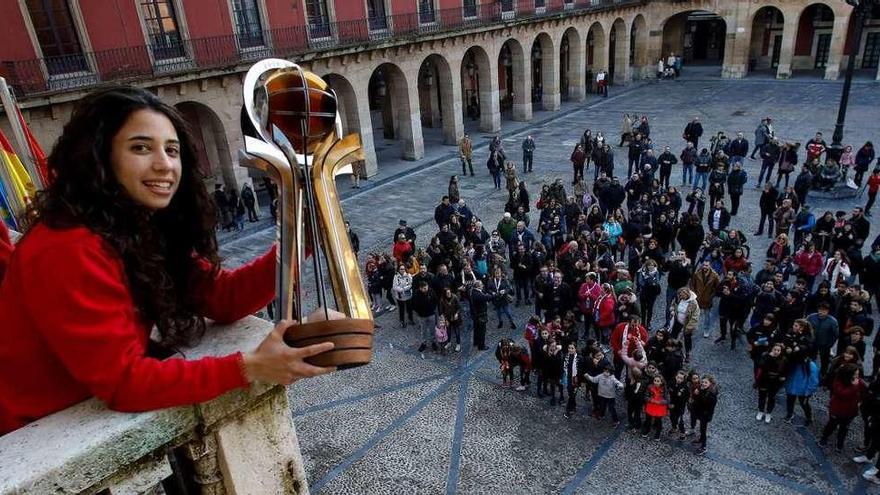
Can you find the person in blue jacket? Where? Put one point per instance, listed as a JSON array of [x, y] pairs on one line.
[[802, 382]]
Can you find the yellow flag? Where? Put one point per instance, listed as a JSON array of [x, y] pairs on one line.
[[22, 185]]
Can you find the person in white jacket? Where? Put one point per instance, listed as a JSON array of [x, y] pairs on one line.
[[607, 385], [402, 290], [837, 269]]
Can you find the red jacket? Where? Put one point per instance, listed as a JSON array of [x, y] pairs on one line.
[[845, 399], [401, 249], [873, 184], [811, 264], [605, 306], [70, 330], [617, 338]]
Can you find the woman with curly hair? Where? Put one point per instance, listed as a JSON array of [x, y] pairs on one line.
[[123, 240]]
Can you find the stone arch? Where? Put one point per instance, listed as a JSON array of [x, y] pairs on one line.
[[437, 101], [596, 53], [513, 86], [571, 65], [618, 52], [391, 110], [478, 90], [638, 50], [355, 116], [209, 138], [813, 40], [765, 40], [545, 69], [697, 35]]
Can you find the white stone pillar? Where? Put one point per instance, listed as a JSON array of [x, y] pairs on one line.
[[577, 62], [365, 125], [835, 53], [550, 97], [490, 108], [522, 86], [407, 114], [449, 86], [789, 33]]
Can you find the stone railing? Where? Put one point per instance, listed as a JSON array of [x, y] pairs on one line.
[[241, 443]]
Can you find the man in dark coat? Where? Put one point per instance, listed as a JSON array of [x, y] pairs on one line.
[[578, 159], [528, 149], [666, 160], [693, 131], [407, 232], [736, 180], [636, 146], [718, 218], [739, 147], [479, 302], [250, 202], [614, 195], [443, 212]]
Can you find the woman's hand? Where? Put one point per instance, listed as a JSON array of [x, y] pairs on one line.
[[273, 361]]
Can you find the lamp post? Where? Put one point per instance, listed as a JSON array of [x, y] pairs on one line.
[[861, 10]]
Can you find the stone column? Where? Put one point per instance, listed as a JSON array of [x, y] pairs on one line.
[[365, 124], [789, 32], [653, 51], [490, 108], [835, 55], [407, 113], [622, 73], [550, 97], [450, 100], [577, 62], [522, 87], [736, 48]]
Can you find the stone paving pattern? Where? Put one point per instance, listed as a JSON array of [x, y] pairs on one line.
[[443, 424]]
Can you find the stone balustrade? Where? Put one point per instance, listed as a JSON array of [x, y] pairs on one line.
[[243, 442]]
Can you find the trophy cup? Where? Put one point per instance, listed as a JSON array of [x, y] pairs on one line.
[[292, 132]]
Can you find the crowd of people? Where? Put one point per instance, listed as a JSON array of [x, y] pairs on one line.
[[593, 262]]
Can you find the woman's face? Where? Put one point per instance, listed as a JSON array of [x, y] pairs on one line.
[[705, 383], [145, 157], [657, 381], [695, 379]]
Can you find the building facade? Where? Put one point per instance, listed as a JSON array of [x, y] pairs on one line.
[[403, 69]]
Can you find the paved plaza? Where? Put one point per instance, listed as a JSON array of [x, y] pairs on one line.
[[443, 424]]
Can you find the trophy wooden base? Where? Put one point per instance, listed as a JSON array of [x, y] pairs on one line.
[[353, 339]]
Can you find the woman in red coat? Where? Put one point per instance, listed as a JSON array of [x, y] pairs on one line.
[[604, 314], [847, 392], [122, 241]]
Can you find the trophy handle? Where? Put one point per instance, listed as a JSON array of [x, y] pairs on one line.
[[332, 155]]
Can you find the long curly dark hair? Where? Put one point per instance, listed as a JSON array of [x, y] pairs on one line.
[[161, 250]]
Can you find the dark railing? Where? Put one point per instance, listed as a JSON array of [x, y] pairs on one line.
[[36, 76]]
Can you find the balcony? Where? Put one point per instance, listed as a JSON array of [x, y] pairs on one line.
[[48, 75], [241, 442]]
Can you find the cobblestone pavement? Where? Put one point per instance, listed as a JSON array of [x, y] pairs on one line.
[[440, 424]]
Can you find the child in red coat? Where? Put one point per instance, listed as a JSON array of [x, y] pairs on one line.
[[656, 407]]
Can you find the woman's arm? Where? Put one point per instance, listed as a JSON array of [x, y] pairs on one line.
[[234, 294]]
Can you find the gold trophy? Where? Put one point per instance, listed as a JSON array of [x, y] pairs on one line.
[[291, 132]]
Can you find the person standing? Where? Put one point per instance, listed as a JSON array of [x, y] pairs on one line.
[[222, 204], [873, 187], [424, 304], [693, 131], [738, 148], [635, 154], [250, 201], [353, 238], [601, 83], [466, 151], [769, 156], [688, 158], [402, 289], [528, 149], [826, 331], [666, 160], [578, 159], [736, 180], [479, 309], [495, 164], [502, 294], [705, 283], [705, 398], [762, 136]]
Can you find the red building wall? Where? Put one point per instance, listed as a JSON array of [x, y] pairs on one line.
[[351, 10], [399, 6], [16, 43], [113, 24], [207, 18]]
